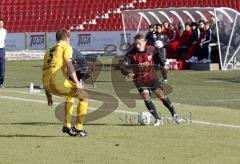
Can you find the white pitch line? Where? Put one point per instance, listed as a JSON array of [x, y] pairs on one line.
[[91, 100], [215, 124], [57, 103], [224, 100], [38, 94], [123, 111]]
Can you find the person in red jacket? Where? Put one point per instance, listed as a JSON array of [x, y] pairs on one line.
[[196, 33], [174, 33], [183, 41]]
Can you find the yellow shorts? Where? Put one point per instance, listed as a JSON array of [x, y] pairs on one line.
[[59, 85]]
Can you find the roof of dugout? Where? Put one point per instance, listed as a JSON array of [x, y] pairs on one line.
[[227, 26]]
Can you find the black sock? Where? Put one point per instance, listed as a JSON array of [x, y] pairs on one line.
[[167, 103], [151, 107]]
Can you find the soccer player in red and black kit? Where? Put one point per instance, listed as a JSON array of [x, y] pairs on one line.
[[140, 59]]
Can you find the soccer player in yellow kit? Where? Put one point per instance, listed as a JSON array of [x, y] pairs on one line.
[[56, 72]]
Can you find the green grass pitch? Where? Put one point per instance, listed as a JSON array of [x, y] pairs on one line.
[[30, 132]]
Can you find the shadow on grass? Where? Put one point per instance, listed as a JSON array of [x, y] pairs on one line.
[[13, 86], [59, 123], [20, 87], [232, 80], [37, 66], [26, 135], [35, 123], [101, 124]]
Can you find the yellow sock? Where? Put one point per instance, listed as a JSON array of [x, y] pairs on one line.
[[81, 113], [68, 112]]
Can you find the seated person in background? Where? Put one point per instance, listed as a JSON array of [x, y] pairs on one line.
[[161, 43], [202, 50], [150, 36], [195, 33], [174, 33], [166, 29], [193, 40], [213, 46], [190, 57], [183, 41], [214, 30]]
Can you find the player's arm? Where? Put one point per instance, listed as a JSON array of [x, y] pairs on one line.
[[72, 74], [124, 68], [70, 68]]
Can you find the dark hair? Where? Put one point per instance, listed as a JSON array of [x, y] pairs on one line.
[[139, 36], [208, 23], [1, 19], [194, 24], [151, 26], [62, 34], [159, 25], [201, 21], [187, 24]]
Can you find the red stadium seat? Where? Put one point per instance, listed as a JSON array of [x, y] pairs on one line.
[[48, 15]]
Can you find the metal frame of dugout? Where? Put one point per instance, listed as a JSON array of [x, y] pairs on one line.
[[227, 27]]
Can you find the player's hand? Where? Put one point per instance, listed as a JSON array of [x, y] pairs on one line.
[[79, 87], [130, 76], [50, 101]]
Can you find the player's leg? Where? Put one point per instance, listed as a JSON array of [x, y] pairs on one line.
[[67, 128], [68, 111], [2, 66], [149, 104], [167, 103], [68, 89], [82, 109]]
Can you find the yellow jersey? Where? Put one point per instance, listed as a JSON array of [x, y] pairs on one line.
[[55, 61]]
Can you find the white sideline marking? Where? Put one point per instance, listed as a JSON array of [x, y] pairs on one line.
[[123, 111], [215, 124], [38, 94], [224, 100], [91, 100], [56, 103]]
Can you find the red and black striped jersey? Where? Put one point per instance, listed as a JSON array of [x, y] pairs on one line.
[[142, 64]]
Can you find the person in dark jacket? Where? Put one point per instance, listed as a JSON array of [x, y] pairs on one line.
[[161, 44]]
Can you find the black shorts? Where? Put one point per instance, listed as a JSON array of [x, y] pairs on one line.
[[141, 89], [150, 85]]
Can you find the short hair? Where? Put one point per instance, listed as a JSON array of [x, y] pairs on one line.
[[201, 21], [208, 23], [62, 34], [151, 26], [1, 19], [187, 24], [159, 25], [194, 24], [139, 36]]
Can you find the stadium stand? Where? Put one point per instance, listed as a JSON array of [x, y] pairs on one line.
[[95, 15]]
